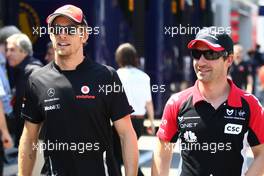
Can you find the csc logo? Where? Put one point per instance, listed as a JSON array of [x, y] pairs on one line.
[[233, 128]]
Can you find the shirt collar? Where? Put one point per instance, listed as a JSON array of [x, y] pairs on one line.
[[233, 100], [83, 65]]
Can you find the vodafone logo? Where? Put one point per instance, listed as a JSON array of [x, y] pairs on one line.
[[85, 89]]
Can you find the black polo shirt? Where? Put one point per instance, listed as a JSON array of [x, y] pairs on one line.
[[76, 111], [211, 140]]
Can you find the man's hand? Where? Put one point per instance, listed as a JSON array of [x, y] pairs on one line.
[[151, 129], [7, 140], [256, 168], [150, 112], [162, 157]]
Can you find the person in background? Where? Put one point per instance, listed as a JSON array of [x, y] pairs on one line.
[[49, 53], [19, 55], [5, 97], [260, 88], [259, 56], [241, 71], [6, 32], [136, 84]]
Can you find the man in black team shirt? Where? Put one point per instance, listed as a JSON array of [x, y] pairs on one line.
[[212, 118], [68, 97]]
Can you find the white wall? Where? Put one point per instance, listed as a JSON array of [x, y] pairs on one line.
[[260, 32], [221, 9], [260, 29]]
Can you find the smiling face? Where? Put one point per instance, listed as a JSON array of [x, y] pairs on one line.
[[210, 70], [14, 54], [66, 45]]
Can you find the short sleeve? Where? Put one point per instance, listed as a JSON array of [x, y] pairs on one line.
[[256, 122], [119, 106], [30, 110], [148, 90], [169, 127]]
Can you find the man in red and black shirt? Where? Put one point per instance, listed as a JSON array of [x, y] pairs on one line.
[[214, 119]]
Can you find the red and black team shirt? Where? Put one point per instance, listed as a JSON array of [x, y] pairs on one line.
[[212, 140], [76, 107]]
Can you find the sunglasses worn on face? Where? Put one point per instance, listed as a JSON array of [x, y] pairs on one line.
[[58, 29], [208, 54]]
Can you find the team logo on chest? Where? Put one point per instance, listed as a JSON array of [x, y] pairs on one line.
[[190, 136], [85, 89], [51, 92], [51, 95], [229, 112], [54, 106], [236, 114], [241, 113], [180, 118]]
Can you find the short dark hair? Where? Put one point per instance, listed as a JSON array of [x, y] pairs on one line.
[[126, 55]]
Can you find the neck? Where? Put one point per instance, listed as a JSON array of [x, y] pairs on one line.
[[214, 93], [68, 62]]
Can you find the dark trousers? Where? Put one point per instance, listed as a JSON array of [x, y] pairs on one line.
[[1, 156]]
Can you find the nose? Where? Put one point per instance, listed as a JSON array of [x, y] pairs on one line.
[[200, 62], [62, 35]]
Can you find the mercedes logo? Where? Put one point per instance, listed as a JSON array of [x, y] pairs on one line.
[[51, 92]]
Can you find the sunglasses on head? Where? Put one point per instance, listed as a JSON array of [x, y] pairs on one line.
[[59, 29], [208, 54]]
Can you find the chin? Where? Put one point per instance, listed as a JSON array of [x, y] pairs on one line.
[[62, 54], [203, 79], [11, 64]]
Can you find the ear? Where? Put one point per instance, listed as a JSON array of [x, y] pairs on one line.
[[230, 60], [84, 37]]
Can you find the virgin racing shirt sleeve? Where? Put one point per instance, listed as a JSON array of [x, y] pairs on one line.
[[169, 127], [30, 109], [256, 122], [119, 106]]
